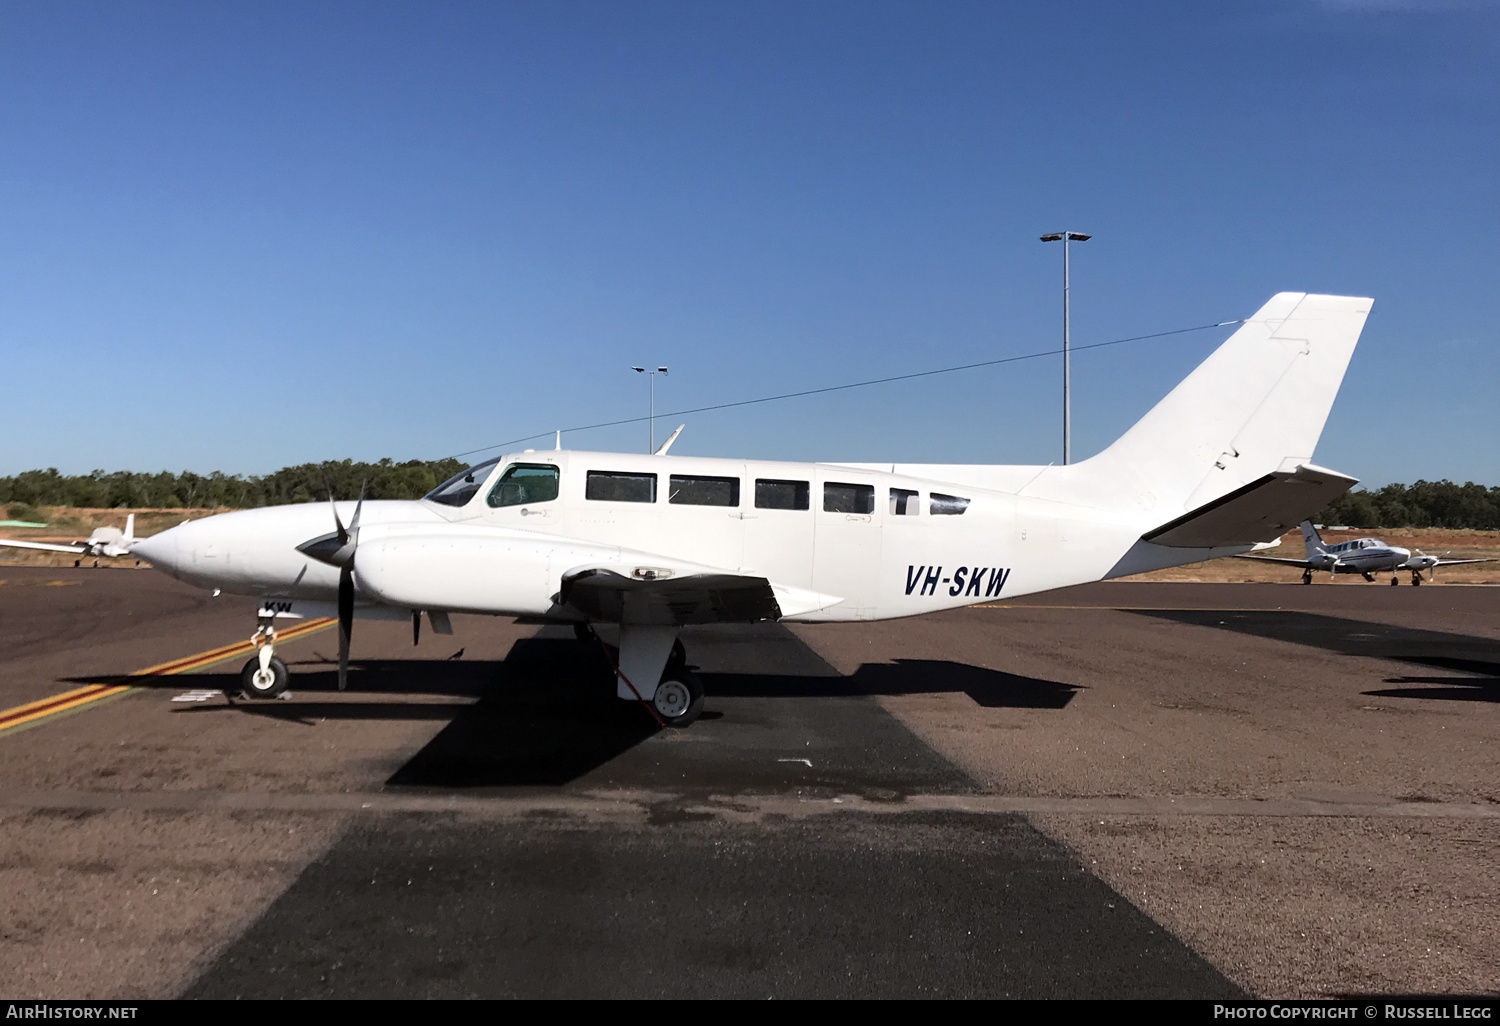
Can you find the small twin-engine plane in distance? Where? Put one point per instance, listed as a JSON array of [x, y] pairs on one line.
[[1364, 556], [104, 541], [654, 542]]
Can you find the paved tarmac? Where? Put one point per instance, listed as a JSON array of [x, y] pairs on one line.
[[1120, 790]]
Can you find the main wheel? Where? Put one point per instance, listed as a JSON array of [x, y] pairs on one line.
[[1307, 577], [1416, 580], [679, 699], [267, 683]]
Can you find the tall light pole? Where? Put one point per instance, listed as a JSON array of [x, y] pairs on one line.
[[652, 420], [1065, 238]]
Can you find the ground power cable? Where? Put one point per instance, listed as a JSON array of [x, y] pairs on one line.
[[852, 384]]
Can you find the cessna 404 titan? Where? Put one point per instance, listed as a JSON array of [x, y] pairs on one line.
[[656, 542]]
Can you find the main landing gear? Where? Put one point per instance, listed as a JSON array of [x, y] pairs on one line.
[[1416, 578], [651, 667], [1395, 580], [265, 675], [1307, 577]]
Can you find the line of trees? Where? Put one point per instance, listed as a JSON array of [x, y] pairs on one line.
[[1467, 506], [305, 483], [1424, 504]]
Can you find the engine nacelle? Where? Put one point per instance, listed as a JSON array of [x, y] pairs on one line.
[[469, 569]]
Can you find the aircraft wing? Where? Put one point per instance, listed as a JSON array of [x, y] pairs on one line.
[[1260, 511], [1456, 562], [50, 547], [620, 595], [1276, 559]]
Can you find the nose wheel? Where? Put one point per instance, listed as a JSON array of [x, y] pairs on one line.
[[265, 675]]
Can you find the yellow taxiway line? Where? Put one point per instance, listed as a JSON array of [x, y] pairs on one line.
[[69, 700]]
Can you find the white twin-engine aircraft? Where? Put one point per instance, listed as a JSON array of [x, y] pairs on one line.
[[104, 541], [657, 542], [1364, 556]]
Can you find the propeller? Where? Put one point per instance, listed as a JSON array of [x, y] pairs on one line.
[[337, 549]]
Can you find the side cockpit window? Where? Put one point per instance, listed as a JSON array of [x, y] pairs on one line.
[[524, 483], [460, 488]]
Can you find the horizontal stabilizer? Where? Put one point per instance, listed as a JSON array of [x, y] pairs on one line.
[[1260, 511]]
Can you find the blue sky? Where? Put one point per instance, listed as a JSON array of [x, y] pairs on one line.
[[240, 236]]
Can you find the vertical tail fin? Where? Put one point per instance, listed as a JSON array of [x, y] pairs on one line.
[[1255, 406], [129, 528], [1311, 540]]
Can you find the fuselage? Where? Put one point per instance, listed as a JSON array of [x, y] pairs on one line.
[[1361, 555], [871, 544]]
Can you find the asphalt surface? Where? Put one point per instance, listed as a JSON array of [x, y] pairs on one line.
[[1115, 791]]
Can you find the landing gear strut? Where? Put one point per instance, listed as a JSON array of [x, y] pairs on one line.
[[653, 653], [265, 675], [1416, 578], [1307, 577]]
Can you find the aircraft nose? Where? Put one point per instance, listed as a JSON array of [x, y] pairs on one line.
[[161, 550]]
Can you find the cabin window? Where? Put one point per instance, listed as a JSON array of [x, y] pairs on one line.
[[946, 505], [848, 498], [905, 503], [523, 483], [684, 490], [613, 486], [460, 488], [772, 494]]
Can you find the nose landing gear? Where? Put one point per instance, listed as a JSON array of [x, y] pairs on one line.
[[265, 675]]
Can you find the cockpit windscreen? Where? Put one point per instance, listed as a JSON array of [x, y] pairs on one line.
[[460, 488]]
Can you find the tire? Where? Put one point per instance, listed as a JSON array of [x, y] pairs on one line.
[[255, 684], [678, 699]]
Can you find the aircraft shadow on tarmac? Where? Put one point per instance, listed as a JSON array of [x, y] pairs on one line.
[[1460, 653], [548, 714]]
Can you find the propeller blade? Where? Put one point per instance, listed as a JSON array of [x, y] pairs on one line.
[[346, 622], [354, 521], [343, 535]]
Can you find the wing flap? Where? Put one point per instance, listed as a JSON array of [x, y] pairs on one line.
[[1260, 511], [601, 593]]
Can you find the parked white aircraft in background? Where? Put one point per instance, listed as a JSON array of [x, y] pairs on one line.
[[104, 541], [1363, 556], [657, 542]]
